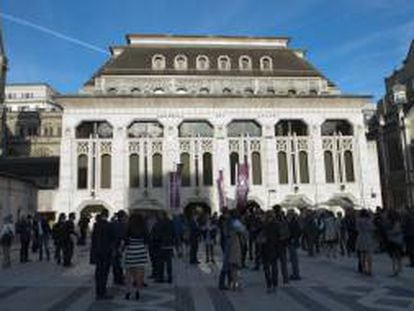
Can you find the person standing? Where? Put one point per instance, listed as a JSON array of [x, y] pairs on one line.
[[57, 234], [101, 251], [83, 225], [395, 241], [120, 227], [294, 243], [6, 240], [331, 234], [270, 246], [284, 236], [194, 238], [409, 236], [210, 232], [365, 242], [237, 234], [24, 229], [224, 227], [135, 257], [68, 243], [165, 232], [42, 232]]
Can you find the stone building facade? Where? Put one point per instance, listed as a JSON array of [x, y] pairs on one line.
[[393, 128], [3, 70], [208, 103], [33, 121]]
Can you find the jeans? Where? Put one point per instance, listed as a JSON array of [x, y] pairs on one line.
[[271, 273], [193, 250], [165, 262], [283, 264], [225, 268], [6, 256], [44, 244], [293, 256]]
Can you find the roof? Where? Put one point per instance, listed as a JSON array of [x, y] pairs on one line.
[[136, 60]]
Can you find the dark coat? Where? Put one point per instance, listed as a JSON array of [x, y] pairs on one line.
[[103, 239]]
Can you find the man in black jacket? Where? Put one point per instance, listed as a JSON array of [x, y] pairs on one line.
[[101, 252], [165, 236]]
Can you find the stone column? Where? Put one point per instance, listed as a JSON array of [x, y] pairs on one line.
[[316, 159]]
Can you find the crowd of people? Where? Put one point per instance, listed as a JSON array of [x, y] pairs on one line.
[[270, 241]]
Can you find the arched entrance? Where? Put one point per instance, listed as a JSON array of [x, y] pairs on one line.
[[90, 211], [199, 209]]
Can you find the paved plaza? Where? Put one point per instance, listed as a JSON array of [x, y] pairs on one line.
[[328, 284]]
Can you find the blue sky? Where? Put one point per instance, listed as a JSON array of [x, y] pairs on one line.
[[356, 43]]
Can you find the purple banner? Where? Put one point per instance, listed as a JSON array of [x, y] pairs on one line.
[[220, 188], [242, 187]]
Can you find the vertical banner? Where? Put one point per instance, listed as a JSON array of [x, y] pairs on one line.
[[220, 188], [242, 188], [177, 187], [171, 189]]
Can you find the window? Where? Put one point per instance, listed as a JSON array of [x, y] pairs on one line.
[[105, 171], [248, 91], [82, 171], [135, 91], [195, 129], [271, 91], [329, 167], [234, 162], [226, 90], [303, 167], [291, 127], [112, 90], [159, 90], [95, 129], [138, 129], [240, 128], [349, 166], [283, 167], [180, 62], [266, 63], [185, 170], [224, 63], [245, 63], [256, 168], [158, 62], [134, 171], [207, 169], [336, 127], [181, 90], [157, 170], [204, 90], [202, 62]]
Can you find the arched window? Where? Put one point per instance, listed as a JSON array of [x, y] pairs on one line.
[[204, 90], [159, 90], [224, 63], [95, 129], [303, 167], [194, 128], [157, 170], [185, 170], [82, 171], [234, 162], [180, 62], [238, 128], [134, 171], [202, 62], [271, 91], [105, 171], [335, 127], [135, 91], [207, 169], [158, 62], [291, 127], [349, 166], [256, 168], [248, 91], [266, 63], [245, 63], [138, 129], [226, 90], [329, 167], [181, 90], [283, 167], [112, 90]]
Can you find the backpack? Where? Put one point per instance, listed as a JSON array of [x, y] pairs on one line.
[[6, 239]]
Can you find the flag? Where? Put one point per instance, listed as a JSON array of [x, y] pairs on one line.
[[242, 187]]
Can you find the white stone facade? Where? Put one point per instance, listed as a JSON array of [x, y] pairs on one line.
[[257, 99], [219, 111]]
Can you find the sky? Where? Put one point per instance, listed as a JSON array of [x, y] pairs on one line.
[[355, 43]]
